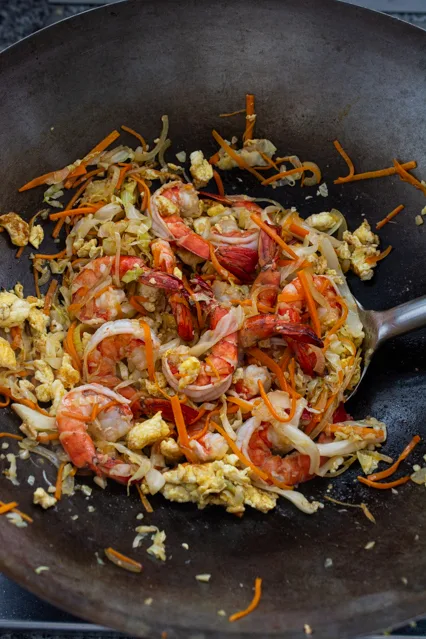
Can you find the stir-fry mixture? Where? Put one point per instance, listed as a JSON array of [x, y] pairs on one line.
[[191, 343]]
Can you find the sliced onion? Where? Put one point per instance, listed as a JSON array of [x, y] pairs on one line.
[[33, 418], [245, 433], [315, 179], [150, 155], [206, 393], [228, 324], [299, 500], [154, 480], [161, 160]]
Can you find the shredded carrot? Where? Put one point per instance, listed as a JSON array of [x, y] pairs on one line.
[[38, 181], [213, 367], [273, 235], [5, 403], [390, 471], [310, 302], [19, 512], [86, 178], [229, 115], [20, 400], [267, 361], [296, 229], [54, 256], [69, 347], [47, 437], [198, 416], [407, 177], [364, 431], [146, 202], [133, 301], [200, 434], [101, 146], [219, 183], [369, 175], [285, 359], [181, 428], [8, 507], [246, 407], [250, 117], [338, 324], [84, 210], [122, 175], [232, 445], [239, 160], [19, 252], [384, 486], [214, 158], [254, 603], [69, 206], [196, 302], [11, 435], [219, 268], [388, 217], [268, 404], [149, 350], [49, 296], [16, 335], [373, 259], [36, 286], [58, 487], [122, 560], [144, 500], [283, 174], [137, 136], [347, 159]]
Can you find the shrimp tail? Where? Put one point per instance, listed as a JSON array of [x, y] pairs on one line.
[[151, 406], [238, 260], [261, 327]]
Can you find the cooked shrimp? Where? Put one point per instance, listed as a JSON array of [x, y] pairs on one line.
[[112, 343], [165, 260], [259, 327], [97, 294], [94, 410], [267, 284]]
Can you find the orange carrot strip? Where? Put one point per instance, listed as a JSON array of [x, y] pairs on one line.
[[407, 177], [11, 435], [338, 324], [267, 361], [122, 175], [219, 268], [36, 286], [70, 204], [283, 174], [239, 160], [388, 217], [46, 256], [229, 115], [38, 181], [16, 335], [369, 175], [384, 486], [364, 431], [149, 350], [122, 561], [198, 416], [44, 438], [18, 512], [254, 603], [135, 304], [347, 159], [250, 117], [146, 202], [144, 500], [373, 259], [49, 296], [310, 302], [268, 404], [20, 400], [69, 347], [101, 146], [137, 136], [196, 302], [84, 210], [19, 252], [181, 428], [273, 235], [58, 487], [219, 183], [298, 230], [390, 471], [232, 445], [8, 507], [246, 407], [200, 434]]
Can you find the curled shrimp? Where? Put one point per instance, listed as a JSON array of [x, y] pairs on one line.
[[92, 410], [169, 204], [112, 343], [206, 380], [260, 327], [165, 260], [97, 290]]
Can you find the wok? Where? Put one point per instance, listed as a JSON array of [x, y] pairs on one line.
[[319, 70]]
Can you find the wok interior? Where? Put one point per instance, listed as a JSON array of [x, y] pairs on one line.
[[319, 70]]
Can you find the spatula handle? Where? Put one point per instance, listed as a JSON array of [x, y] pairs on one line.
[[401, 319]]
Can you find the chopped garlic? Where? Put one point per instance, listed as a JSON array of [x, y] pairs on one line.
[[370, 545], [205, 577], [419, 220]]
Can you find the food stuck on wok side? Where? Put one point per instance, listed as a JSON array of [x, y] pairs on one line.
[[193, 344]]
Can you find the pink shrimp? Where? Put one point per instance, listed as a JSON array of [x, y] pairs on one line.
[[214, 375], [259, 327], [96, 295], [291, 469], [112, 343], [92, 410], [169, 204], [267, 283], [165, 260]]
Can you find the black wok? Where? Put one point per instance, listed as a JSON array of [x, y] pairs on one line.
[[319, 70]]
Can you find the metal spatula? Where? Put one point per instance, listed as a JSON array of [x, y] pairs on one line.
[[379, 326]]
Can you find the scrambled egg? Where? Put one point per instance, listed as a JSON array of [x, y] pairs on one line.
[[188, 370], [321, 221], [67, 374], [13, 310], [200, 169], [18, 229], [38, 321], [43, 499], [7, 355], [44, 373], [87, 249], [57, 391], [165, 206], [36, 235], [250, 153], [152, 387], [216, 209], [146, 433], [219, 483], [170, 450], [362, 243]]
